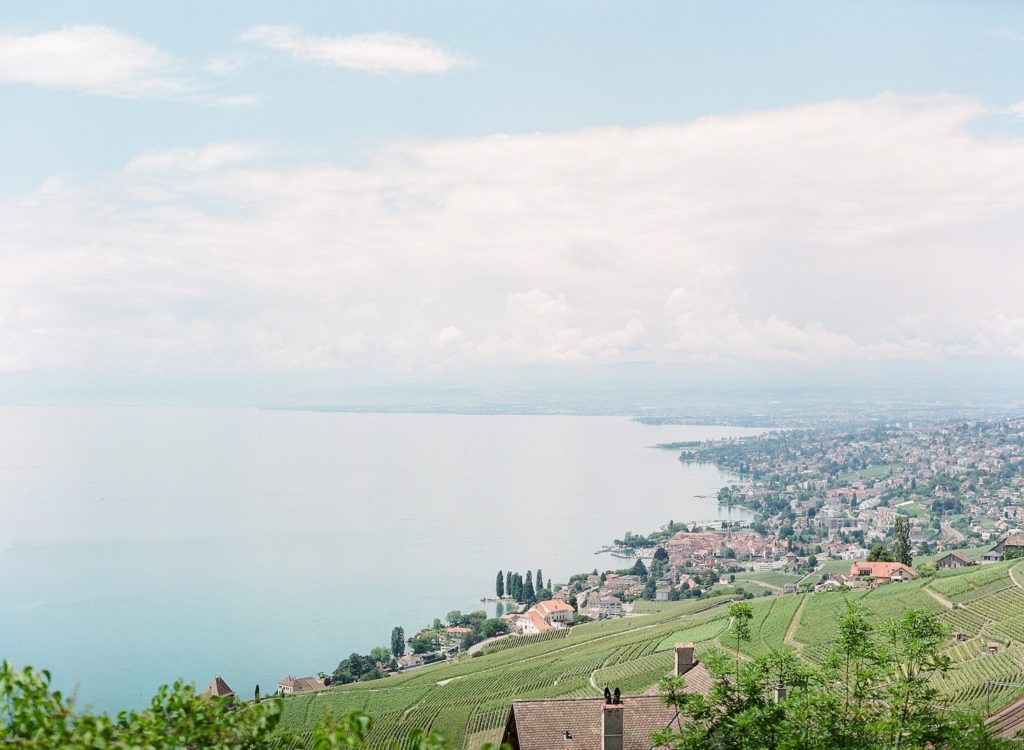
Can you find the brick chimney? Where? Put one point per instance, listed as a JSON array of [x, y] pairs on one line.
[[611, 726], [780, 691], [684, 658]]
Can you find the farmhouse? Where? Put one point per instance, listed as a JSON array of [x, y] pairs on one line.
[[952, 560], [882, 572], [218, 689], [453, 636], [554, 610], [543, 616], [1010, 546], [531, 622], [291, 685], [604, 606], [609, 723], [408, 661]]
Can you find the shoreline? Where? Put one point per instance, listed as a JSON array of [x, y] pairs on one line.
[[253, 559]]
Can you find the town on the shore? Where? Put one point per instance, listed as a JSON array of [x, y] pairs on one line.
[[827, 509]]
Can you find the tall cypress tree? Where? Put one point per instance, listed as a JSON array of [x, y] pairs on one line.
[[499, 585], [517, 582], [901, 549], [508, 584], [539, 579], [529, 595]]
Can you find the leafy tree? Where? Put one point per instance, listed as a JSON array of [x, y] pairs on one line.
[[455, 618], [397, 641], [492, 627], [650, 588], [661, 554], [381, 654], [474, 619], [499, 585], [901, 544], [356, 667], [424, 642], [34, 717], [740, 614], [638, 569], [875, 691], [880, 553]]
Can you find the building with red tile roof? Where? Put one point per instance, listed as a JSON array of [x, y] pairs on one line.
[[290, 685], [218, 689], [883, 572], [601, 723]]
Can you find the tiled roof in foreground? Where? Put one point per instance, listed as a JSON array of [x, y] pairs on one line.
[[576, 723]]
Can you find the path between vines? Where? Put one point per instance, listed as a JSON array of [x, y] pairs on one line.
[[790, 637]]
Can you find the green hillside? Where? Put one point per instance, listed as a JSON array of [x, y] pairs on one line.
[[469, 699]]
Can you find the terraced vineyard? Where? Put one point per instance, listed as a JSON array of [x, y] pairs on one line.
[[972, 583], [469, 699], [514, 641]]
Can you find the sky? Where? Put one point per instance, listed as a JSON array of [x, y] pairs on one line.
[[361, 193]]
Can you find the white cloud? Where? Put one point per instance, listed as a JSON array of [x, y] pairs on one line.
[[214, 156], [225, 65], [102, 61], [879, 229], [95, 59], [376, 53]]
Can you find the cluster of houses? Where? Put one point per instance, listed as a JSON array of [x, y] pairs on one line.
[[967, 473], [863, 573], [723, 551]]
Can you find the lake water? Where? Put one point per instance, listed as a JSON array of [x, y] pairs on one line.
[[141, 545]]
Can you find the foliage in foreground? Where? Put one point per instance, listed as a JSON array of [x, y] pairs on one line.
[[875, 692], [34, 717]]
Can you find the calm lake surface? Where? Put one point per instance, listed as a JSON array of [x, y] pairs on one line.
[[142, 545]]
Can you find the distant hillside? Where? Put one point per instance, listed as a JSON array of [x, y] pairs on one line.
[[469, 699]]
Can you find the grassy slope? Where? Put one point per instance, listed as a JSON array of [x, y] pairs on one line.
[[469, 699], [771, 577]]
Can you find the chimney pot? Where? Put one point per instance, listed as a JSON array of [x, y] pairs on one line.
[[611, 726], [684, 658], [780, 691]]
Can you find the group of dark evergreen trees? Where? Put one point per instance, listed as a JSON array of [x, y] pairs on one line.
[[527, 590]]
